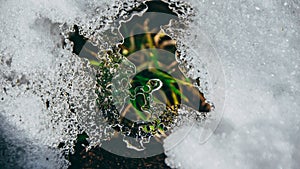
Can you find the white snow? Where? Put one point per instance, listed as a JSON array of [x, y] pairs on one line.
[[258, 47], [261, 56]]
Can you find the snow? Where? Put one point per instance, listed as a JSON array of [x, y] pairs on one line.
[[260, 54], [257, 44]]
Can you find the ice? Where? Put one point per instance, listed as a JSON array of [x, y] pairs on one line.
[[258, 47]]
